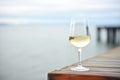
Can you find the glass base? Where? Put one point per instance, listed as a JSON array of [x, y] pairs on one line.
[[80, 68]]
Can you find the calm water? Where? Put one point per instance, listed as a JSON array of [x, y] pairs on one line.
[[29, 53]]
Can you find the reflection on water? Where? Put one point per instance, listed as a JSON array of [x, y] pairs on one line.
[[29, 53]]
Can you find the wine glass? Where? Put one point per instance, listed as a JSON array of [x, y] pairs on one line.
[[79, 37]]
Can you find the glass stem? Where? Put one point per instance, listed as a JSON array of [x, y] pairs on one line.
[[79, 57]]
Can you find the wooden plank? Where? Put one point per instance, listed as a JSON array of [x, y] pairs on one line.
[[105, 66]]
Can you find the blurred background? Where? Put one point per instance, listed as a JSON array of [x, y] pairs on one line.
[[34, 34]]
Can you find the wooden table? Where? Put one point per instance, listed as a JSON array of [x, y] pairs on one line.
[[105, 66]]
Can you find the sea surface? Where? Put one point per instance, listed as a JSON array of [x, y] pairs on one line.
[[30, 52]]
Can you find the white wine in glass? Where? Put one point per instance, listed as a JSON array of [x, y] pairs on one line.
[[79, 37]]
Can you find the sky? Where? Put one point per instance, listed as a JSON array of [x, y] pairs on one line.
[[59, 11]]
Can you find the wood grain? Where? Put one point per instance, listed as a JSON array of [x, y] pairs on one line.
[[105, 66]]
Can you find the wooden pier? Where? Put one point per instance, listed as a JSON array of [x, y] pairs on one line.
[[105, 66], [111, 33]]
